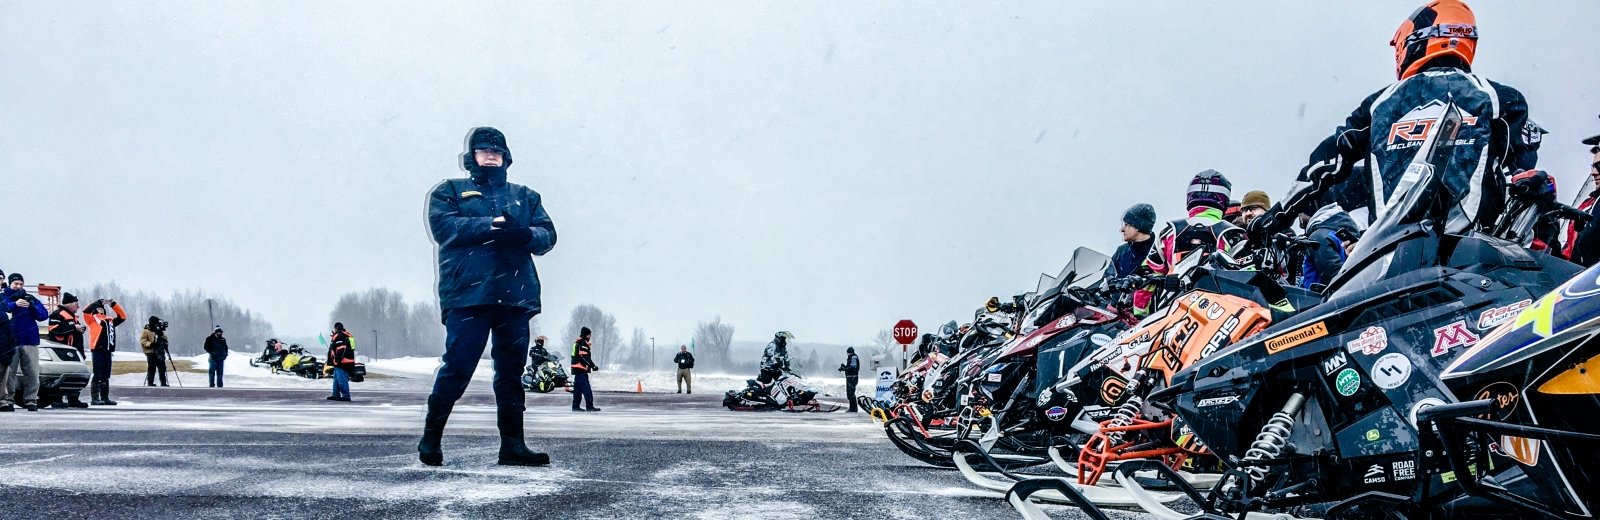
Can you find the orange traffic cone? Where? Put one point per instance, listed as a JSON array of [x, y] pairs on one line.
[[638, 386]]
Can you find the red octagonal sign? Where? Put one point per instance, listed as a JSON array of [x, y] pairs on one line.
[[905, 332]]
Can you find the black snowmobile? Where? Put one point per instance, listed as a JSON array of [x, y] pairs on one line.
[[1324, 407]]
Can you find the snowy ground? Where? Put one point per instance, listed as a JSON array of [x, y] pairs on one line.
[[287, 453], [416, 373]]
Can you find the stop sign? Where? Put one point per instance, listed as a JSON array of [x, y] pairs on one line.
[[905, 332]]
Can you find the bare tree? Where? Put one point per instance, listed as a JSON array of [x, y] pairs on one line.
[[711, 342], [386, 326], [639, 351], [605, 338]]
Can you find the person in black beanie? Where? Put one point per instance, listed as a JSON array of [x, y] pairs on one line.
[[1137, 225], [582, 365], [487, 231]]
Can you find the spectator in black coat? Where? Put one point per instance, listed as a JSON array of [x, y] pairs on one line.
[[685, 362], [217, 347], [852, 375]]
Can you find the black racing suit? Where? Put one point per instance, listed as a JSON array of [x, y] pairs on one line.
[[1496, 139]]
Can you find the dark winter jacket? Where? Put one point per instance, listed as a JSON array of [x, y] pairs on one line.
[[1327, 255], [64, 328], [776, 357], [25, 320], [852, 365], [342, 350], [480, 264], [8, 338], [217, 347], [538, 355], [1128, 257], [1496, 138], [684, 360], [582, 363], [1583, 239]]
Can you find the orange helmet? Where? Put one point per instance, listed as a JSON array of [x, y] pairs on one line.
[[1438, 28]]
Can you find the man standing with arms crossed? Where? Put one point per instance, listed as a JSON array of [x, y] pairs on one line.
[[487, 231]]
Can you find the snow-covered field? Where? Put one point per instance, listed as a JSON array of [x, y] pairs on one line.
[[416, 373]]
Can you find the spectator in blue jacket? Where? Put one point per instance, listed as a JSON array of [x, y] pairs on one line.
[[26, 313], [487, 231]]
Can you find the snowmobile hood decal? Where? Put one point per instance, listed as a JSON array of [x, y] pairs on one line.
[[1568, 310]]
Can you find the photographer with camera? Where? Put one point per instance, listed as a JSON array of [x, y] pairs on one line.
[[153, 340], [26, 313], [852, 375], [102, 318]]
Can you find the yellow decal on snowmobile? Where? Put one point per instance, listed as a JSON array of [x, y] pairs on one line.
[[1296, 337], [1541, 315], [1579, 380], [1450, 476]]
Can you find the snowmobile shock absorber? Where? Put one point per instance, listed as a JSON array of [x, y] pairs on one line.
[[1124, 416], [1274, 437]]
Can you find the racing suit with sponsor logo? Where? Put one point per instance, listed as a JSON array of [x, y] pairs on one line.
[[1496, 139]]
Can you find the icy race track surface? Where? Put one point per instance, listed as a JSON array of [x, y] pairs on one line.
[[287, 453]]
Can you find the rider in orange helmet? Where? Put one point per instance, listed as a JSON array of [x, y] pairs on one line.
[[1434, 48]]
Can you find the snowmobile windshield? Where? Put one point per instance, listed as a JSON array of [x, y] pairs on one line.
[[1416, 198]]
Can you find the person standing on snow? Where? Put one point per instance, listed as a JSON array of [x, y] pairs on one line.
[[64, 328], [852, 375], [1434, 48], [102, 330], [582, 365], [1137, 224], [685, 362], [8, 353], [26, 313], [487, 230], [217, 347], [153, 341], [341, 359]]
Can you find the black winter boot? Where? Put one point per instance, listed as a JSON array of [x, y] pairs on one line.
[[513, 451], [105, 393], [429, 451], [94, 394]]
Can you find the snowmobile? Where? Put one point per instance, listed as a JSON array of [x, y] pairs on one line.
[[1327, 406], [996, 394], [297, 362], [545, 377], [787, 392]]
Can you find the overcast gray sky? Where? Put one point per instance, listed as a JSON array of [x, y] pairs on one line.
[[822, 167]]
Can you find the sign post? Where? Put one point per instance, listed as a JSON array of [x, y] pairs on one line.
[[905, 332]]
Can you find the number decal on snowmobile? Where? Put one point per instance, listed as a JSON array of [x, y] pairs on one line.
[[1451, 336], [1296, 337]]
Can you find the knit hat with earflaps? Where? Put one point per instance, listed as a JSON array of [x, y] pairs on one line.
[[485, 138]]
